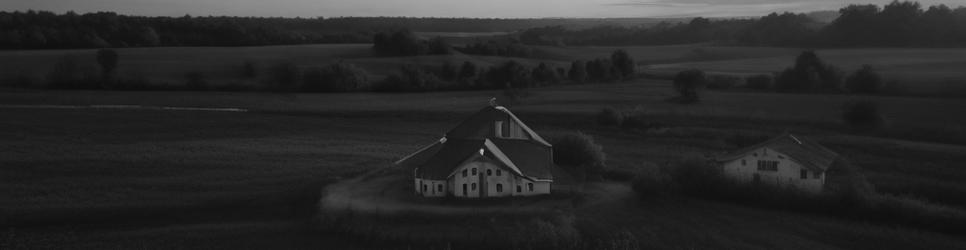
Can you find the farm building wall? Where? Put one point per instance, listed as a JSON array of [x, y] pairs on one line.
[[786, 173]]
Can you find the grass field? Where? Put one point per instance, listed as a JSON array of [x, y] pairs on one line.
[[133, 178]]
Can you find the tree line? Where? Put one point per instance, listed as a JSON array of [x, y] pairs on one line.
[[903, 24]]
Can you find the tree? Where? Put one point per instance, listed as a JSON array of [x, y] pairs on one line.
[[578, 71], [107, 59], [337, 77], [624, 63], [687, 82], [863, 116], [284, 76], [864, 80], [467, 70], [579, 153], [543, 74]]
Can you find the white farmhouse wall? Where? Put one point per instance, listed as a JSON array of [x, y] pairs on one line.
[[788, 174]]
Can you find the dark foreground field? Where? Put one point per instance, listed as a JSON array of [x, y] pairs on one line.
[[160, 179]]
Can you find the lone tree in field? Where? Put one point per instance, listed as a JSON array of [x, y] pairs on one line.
[[579, 153], [624, 63], [863, 116], [107, 58], [865, 80], [687, 83], [810, 73]]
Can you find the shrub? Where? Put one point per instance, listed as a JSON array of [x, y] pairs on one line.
[[723, 81], [760, 82], [107, 59], [411, 78], [809, 73], [69, 74], [650, 182], [249, 70], [578, 152], [864, 80], [697, 177], [284, 77], [687, 82], [863, 116], [195, 80], [610, 117], [337, 77]]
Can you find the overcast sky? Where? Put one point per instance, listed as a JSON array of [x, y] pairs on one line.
[[445, 8]]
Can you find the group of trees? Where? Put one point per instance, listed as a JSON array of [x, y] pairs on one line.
[[494, 48], [406, 43], [811, 74], [47, 30], [620, 66], [896, 24]]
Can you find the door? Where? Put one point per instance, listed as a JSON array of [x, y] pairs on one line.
[[757, 178], [464, 189]]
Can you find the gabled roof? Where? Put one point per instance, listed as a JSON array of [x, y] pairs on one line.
[[806, 152], [450, 155], [532, 158], [479, 125]]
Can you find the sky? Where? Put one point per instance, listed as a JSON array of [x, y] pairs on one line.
[[446, 8]]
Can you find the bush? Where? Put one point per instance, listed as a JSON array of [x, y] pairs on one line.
[[610, 117], [578, 151], [650, 182], [687, 82], [249, 70], [337, 77], [864, 80], [808, 74], [107, 59], [761, 82], [195, 80], [284, 77], [723, 81], [411, 79], [697, 177], [863, 116], [68, 73]]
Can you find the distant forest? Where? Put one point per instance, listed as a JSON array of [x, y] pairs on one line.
[[47, 30], [900, 24]]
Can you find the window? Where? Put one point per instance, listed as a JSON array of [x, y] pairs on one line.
[[464, 172], [473, 186], [474, 171], [424, 188], [742, 162], [804, 174], [498, 129], [499, 172], [767, 165], [817, 175], [519, 189], [489, 172], [530, 187], [439, 187], [499, 188]]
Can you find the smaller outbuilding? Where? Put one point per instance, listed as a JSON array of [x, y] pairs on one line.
[[785, 161]]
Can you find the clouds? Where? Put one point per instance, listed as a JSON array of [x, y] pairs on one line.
[[446, 8]]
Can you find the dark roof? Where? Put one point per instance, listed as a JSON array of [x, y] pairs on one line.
[[802, 150], [533, 159], [421, 156], [450, 155], [479, 125]]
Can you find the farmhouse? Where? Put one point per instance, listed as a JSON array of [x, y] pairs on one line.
[[787, 160], [490, 154]]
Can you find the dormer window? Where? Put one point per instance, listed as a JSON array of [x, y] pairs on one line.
[[501, 129]]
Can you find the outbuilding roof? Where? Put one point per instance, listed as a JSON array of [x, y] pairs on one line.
[[805, 151]]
